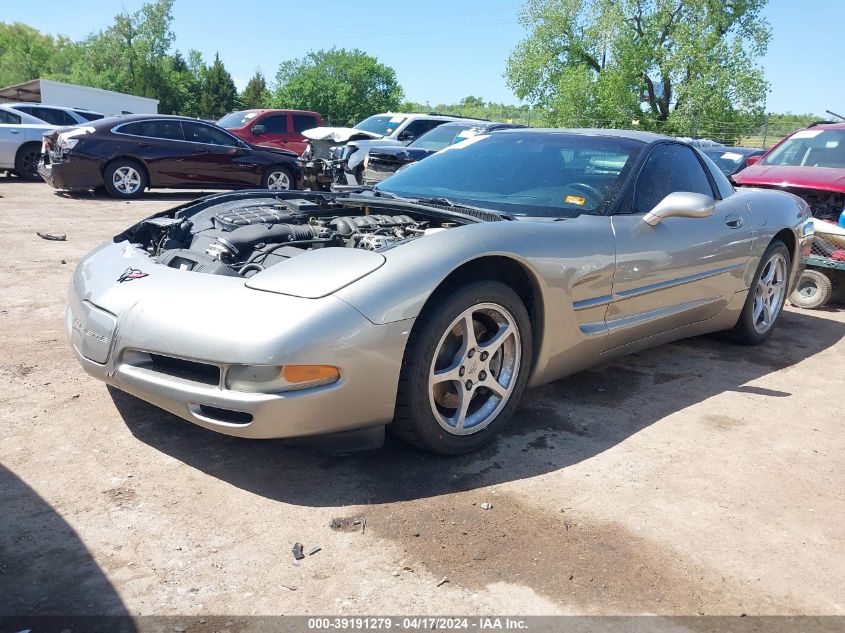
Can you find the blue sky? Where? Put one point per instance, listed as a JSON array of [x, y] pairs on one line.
[[441, 50]]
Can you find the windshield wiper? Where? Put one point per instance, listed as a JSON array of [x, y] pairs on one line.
[[445, 202]]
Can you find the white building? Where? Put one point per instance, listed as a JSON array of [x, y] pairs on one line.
[[56, 93]]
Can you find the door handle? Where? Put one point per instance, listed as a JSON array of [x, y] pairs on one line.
[[146, 145], [734, 221], [15, 131]]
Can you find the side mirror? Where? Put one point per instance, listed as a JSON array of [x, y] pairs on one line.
[[259, 129], [681, 204], [751, 160], [406, 136]]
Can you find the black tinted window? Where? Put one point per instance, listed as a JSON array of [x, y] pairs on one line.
[[199, 133], [51, 115], [167, 130], [418, 128], [667, 169], [302, 122], [8, 117], [89, 116], [275, 124]]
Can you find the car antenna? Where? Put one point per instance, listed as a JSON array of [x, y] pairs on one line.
[[839, 116]]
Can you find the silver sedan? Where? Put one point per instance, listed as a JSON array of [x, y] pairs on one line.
[[429, 303]]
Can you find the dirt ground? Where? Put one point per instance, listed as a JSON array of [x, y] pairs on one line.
[[698, 477]]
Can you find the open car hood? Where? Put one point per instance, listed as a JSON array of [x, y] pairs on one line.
[[338, 134]]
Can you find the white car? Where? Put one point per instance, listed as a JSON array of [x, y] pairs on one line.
[[20, 142], [55, 115]]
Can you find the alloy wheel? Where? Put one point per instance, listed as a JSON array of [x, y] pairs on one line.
[[278, 180], [770, 293], [126, 180], [475, 369], [29, 162]]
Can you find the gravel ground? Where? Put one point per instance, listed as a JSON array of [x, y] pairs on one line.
[[698, 477]]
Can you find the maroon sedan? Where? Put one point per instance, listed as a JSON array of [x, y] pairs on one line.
[[128, 154], [809, 163]]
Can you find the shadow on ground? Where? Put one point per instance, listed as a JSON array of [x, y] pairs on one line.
[[45, 569], [558, 424]]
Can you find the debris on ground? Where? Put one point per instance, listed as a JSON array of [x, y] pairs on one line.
[[443, 581], [297, 551], [64, 261], [486, 506], [288, 587], [314, 550], [396, 573], [56, 237], [348, 524]]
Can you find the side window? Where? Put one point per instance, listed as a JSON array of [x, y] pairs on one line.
[[724, 185], [275, 124], [166, 130], [8, 117], [56, 117], [302, 122], [421, 126], [133, 129], [89, 116], [668, 168], [199, 133]]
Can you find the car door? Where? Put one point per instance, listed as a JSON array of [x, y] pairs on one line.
[[11, 137], [160, 144], [276, 131], [300, 122], [682, 270], [219, 158]]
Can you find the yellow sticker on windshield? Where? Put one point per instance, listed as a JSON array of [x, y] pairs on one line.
[[575, 200]]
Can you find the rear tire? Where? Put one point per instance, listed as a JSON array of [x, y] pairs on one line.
[[26, 162], [125, 178], [766, 297], [457, 391], [814, 290]]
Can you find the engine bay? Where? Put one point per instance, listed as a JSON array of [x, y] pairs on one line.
[[242, 237]]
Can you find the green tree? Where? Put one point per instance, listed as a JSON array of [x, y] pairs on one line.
[[256, 94], [219, 94], [679, 66], [26, 53], [344, 86]]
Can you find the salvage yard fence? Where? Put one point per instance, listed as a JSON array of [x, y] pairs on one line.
[[760, 134]]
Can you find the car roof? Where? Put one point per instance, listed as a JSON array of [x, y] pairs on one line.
[[634, 135], [285, 110], [48, 105], [734, 149], [129, 118]]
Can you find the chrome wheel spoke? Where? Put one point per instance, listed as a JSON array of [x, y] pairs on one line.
[[494, 344], [497, 388]]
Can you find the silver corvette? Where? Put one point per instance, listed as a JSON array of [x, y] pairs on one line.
[[429, 303]]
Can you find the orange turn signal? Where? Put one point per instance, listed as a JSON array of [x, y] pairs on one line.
[[324, 374]]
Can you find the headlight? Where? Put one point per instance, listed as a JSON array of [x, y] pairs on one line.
[[276, 378]]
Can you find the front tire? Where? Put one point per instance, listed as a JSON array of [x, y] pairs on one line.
[[465, 368], [814, 290], [277, 178], [766, 297], [26, 162], [125, 178]]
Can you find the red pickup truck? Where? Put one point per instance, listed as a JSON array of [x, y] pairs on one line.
[[272, 128]]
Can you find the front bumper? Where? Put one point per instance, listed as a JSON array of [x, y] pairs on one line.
[[211, 322], [74, 173]]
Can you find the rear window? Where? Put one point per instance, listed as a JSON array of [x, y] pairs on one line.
[[302, 122], [50, 115], [89, 116]]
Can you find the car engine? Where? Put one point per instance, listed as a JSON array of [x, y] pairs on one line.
[[244, 237]]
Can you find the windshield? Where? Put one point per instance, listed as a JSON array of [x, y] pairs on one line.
[[383, 124], [524, 174], [235, 120], [727, 161], [810, 148], [438, 138]]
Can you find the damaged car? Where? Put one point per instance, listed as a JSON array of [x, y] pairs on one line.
[[428, 304], [343, 158]]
